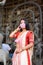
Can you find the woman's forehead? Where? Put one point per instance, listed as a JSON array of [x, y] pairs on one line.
[[22, 21]]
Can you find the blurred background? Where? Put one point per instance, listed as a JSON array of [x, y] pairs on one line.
[[12, 11]]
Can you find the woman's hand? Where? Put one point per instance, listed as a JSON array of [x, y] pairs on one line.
[[18, 51], [18, 28]]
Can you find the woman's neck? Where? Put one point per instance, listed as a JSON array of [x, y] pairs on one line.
[[24, 30]]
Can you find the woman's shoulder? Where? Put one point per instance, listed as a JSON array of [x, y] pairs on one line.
[[29, 31]]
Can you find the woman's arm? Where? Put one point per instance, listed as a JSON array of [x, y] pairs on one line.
[[25, 48], [15, 31], [30, 45]]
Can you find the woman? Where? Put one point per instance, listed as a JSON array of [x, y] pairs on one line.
[[24, 44]]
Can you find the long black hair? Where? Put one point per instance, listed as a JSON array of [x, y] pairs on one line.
[[26, 23]]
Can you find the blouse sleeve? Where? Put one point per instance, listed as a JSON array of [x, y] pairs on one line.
[[30, 36], [15, 35]]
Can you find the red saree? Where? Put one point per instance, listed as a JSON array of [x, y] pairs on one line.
[[25, 57]]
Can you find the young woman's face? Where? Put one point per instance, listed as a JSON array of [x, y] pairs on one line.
[[22, 24]]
